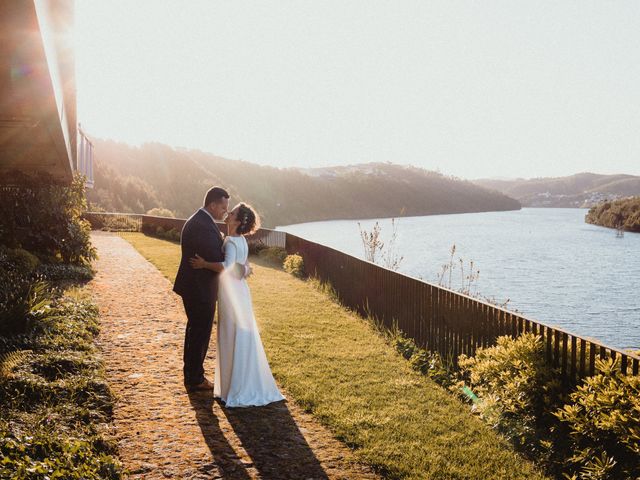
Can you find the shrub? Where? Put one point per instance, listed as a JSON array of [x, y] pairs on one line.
[[41, 455], [427, 363], [60, 272], [21, 294], [45, 218], [161, 212], [120, 223], [255, 247], [273, 254], [604, 424], [21, 298], [20, 259], [518, 391], [294, 265], [172, 234]]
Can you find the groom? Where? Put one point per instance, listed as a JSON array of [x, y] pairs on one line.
[[199, 287]]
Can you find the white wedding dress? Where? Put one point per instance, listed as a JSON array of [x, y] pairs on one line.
[[242, 376]]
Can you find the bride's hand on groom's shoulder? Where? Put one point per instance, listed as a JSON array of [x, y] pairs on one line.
[[197, 262]]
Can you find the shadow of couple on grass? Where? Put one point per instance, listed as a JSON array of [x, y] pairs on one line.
[[271, 438]]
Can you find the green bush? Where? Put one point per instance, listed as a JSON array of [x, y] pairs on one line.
[[20, 302], [41, 455], [161, 212], [21, 260], [428, 363], [60, 272], [294, 264], [517, 389], [255, 247], [120, 223], [45, 219], [21, 295], [273, 254], [172, 234], [604, 425]]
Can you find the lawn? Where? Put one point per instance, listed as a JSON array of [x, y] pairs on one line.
[[339, 368]]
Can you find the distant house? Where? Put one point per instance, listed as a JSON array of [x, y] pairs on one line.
[[38, 125]]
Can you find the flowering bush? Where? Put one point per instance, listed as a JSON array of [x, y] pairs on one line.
[[604, 424], [518, 391], [294, 264]]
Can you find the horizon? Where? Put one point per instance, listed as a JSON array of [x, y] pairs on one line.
[[181, 148], [499, 90]]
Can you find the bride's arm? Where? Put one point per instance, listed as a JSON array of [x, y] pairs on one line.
[[230, 254]]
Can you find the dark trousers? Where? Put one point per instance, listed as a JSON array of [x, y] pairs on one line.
[[196, 338]]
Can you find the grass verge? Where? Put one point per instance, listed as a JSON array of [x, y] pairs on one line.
[[339, 368]]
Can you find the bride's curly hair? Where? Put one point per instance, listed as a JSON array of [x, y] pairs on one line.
[[249, 219]]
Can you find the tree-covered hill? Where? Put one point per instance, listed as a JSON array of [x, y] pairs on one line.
[[623, 214], [136, 179], [579, 190]]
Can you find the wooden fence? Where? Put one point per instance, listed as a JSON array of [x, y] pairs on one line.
[[438, 319]]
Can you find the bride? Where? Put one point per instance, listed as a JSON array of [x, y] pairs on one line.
[[242, 374]]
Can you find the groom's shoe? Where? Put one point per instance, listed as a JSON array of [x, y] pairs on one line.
[[200, 387]]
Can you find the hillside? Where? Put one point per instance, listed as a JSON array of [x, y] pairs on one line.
[[581, 190], [623, 214], [136, 179]]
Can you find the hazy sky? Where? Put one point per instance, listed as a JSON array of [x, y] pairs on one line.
[[473, 88]]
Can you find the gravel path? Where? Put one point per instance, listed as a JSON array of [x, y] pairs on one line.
[[162, 431]]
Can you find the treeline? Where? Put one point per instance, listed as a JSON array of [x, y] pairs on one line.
[[579, 190], [136, 179], [623, 214]]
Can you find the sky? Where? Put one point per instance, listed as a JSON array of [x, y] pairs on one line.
[[474, 89]]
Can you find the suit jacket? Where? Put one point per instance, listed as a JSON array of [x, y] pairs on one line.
[[199, 235]]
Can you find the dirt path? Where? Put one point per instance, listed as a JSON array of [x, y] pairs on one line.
[[165, 433]]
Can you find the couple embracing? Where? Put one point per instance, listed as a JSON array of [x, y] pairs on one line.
[[214, 269]]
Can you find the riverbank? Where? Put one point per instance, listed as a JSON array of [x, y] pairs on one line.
[[619, 214]]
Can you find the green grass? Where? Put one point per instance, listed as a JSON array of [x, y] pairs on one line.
[[338, 367]]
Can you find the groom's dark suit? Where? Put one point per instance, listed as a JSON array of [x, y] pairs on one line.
[[198, 289]]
